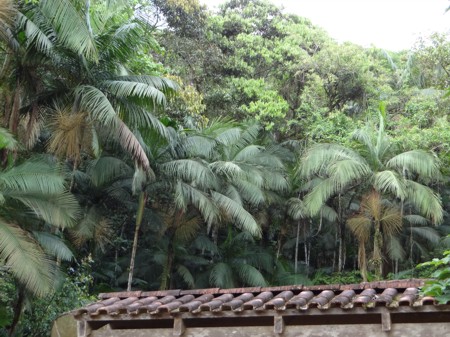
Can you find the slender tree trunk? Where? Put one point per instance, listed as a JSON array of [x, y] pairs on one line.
[[296, 246], [88, 17], [139, 215], [17, 310]]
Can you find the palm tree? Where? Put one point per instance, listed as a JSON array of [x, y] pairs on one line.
[[336, 175], [33, 196], [94, 89], [379, 219]]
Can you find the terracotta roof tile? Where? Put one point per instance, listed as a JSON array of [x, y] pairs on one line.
[[369, 294]]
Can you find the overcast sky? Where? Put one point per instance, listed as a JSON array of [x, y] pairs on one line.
[[389, 24]]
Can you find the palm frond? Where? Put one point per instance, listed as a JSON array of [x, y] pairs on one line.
[[418, 162], [249, 192], [35, 36], [186, 276], [221, 276], [199, 146], [70, 26], [317, 158], [32, 176], [190, 170], [237, 213], [107, 169], [416, 220], [187, 195], [390, 181], [296, 208], [53, 245], [227, 168], [61, 210], [248, 153], [360, 226], [251, 276], [7, 140], [348, 171], [427, 233], [395, 248], [23, 258], [136, 89], [187, 229], [425, 200], [97, 105], [203, 242], [131, 144]]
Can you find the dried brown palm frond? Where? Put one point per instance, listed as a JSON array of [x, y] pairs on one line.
[[30, 128], [95, 228], [7, 13], [71, 134]]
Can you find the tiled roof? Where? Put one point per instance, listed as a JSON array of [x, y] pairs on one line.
[[390, 294]]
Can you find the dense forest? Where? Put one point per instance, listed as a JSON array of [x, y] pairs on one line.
[[153, 144]]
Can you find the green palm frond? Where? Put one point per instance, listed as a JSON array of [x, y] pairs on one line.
[[233, 193], [186, 276], [296, 208], [165, 85], [259, 258], [314, 200], [229, 136], [249, 135], [61, 210], [416, 220], [136, 89], [188, 195], [221, 276], [32, 176], [237, 213], [227, 168], [427, 233], [395, 248], [348, 171], [136, 116], [7, 140], [317, 158], [190, 170], [53, 245], [251, 276], [203, 242], [35, 36], [390, 181], [95, 102], [254, 195], [71, 27], [23, 258], [425, 200], [248, 153], [107, 169], [198, 146], [415, 162]]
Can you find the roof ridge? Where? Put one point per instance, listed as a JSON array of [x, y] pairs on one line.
[[398, 284]]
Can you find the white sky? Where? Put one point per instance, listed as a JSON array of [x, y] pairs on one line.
[[389, 24]]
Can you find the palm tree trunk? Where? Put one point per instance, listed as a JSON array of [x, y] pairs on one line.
[[17, 310], [296, 246], [139, 215]]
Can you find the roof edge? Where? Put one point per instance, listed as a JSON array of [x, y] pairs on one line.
[[398, 284]]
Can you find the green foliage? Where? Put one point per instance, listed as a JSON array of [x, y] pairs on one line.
[[73, 292], [439, 286], [351, 277]]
